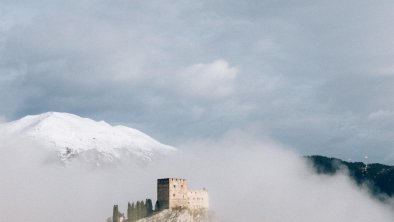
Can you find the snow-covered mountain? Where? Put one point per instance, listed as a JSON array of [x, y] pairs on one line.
[[72, 136]]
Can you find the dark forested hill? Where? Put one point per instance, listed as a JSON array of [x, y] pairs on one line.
[[378, 177]]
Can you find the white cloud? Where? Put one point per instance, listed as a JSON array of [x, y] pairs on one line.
[[265, 182], [380, 114], [208, 80]]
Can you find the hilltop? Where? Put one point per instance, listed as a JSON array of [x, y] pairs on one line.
[[379, 178]]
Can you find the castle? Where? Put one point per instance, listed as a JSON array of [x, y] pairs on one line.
[[172, 194]]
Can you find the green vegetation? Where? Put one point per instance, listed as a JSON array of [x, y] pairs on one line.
[[135, 211], [378, 177], [115, 214]]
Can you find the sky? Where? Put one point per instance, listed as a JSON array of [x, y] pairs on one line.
[[316, 76]]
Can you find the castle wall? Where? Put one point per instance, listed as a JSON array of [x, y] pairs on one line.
[[198, 199], [172, 193], [178, 193]]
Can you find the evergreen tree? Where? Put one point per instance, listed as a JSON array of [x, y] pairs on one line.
[[157, 206], [144, 211], [115, 214], [129, 212], [133, 212], [149, 207], [138, 210]]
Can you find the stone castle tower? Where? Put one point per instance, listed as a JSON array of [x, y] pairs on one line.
[[173, 193]]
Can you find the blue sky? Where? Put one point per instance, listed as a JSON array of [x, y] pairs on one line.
[[317, 76]]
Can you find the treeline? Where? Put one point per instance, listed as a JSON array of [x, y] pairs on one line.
[[135, 211], [378, 178]]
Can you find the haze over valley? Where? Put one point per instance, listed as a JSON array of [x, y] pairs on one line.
[[267, 176]]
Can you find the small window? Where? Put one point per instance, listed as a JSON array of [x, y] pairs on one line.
[[182, 186], [174, 186], [173, 195]]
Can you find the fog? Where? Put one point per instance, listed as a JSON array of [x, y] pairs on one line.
[[249, 178]]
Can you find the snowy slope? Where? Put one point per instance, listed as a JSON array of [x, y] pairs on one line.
[[73, 136]]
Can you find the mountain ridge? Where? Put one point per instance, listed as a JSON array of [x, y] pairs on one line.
[[379, 178], [73, 136]]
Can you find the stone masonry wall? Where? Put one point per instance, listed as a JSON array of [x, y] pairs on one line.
[[198, 199], [173, 193]]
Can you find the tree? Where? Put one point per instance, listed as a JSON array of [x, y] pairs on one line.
[[149, 207], [144, 210], [138, 210], [115, 214], [157, 206], [130, 212]]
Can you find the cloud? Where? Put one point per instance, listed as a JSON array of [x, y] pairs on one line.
[[210, 80], [269, 63], [248, 179], [275, 184], [380, 114]]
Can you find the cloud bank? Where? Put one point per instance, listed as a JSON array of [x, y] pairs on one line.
[[248, 179]]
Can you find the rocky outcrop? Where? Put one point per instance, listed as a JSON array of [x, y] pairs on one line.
[[181, 215]]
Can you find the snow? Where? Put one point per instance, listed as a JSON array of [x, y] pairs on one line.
[[72, 136]]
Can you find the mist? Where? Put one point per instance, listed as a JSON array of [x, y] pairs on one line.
[[249, 178]]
